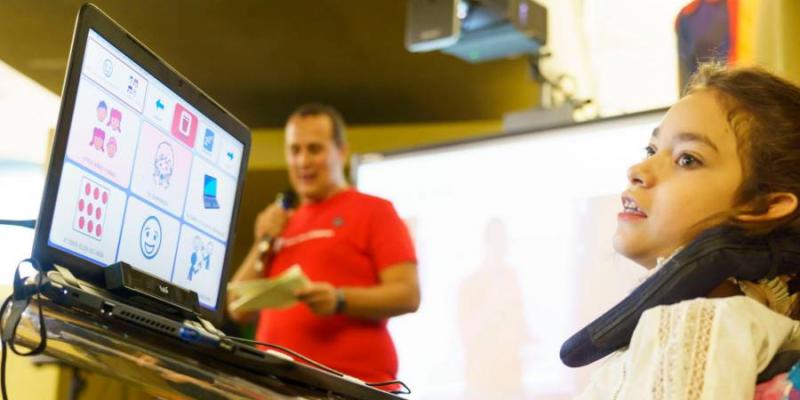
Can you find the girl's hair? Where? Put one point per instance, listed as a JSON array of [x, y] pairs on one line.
[[763, 111]]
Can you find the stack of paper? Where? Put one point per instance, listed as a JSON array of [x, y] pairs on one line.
[[278, 292]]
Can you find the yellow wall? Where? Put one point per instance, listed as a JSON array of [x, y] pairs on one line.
[[25, 381], [267, 149]]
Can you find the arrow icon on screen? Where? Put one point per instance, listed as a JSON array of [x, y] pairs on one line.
[[159, 105]]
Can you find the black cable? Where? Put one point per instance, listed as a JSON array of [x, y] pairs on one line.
[[537, 75], [19, 300], [25, 223], [320, 365]]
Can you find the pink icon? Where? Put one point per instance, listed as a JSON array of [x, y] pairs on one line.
[[115, 120], [98, 137], [90, 214], [111, 147], [184, 125]]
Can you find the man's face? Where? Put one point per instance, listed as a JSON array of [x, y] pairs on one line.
[[315, 162], [691, 173]]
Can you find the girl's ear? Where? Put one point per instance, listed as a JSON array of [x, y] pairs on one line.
[[780, 205]]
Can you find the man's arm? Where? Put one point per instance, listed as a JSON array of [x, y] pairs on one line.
[[396, 294], [247, 271], [269, 223]]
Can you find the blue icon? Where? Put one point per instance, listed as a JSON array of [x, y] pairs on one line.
[[159, 105], [150, 237], [201, 256], [208, 140], [210, 192], [230, 155]]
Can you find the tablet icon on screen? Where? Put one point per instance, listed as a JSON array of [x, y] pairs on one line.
[[210, 192], [184, 125]]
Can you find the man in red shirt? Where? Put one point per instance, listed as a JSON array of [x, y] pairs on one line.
[[353, 247]]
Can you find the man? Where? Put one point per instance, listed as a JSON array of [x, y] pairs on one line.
[[353, 247]]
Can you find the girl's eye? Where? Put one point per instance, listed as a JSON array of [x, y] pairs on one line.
[[649, 151], [687, 160]]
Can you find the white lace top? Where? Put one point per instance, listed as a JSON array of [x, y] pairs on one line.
[[696, 349]]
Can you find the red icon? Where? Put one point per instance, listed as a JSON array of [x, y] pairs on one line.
[[184, 125], [90, 215]]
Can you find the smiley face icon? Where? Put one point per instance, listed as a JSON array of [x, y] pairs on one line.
[[150, 237]]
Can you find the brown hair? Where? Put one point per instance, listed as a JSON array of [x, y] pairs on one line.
[[337, 122], [763, 111]]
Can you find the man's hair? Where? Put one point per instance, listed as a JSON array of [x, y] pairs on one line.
[[337, 122], [763, 111]]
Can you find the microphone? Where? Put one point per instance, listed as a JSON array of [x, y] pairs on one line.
[[286, 200]]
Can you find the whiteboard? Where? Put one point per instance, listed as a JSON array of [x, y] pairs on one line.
[[513, 237]]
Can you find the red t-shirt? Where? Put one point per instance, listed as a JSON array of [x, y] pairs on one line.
[[346, 240]]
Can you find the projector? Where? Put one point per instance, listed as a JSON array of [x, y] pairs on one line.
[[476, 31]]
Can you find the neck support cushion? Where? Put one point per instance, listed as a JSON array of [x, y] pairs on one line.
[[716, 255]]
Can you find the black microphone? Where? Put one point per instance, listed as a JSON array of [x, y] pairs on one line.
[[286, 200]]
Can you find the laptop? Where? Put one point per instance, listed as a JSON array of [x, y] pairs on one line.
[[210, 192], [148, 170]]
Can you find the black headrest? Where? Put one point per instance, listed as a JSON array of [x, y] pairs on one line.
[[716, 255]]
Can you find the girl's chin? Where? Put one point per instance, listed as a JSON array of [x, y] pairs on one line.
[[628, 249]]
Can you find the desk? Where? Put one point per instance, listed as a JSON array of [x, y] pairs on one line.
[[159, 365]]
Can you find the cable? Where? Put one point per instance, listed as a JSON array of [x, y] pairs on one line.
[[320, 365], [537, 75], [25, 223], [19, 301]]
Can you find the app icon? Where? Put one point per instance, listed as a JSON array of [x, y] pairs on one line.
[[164, 164], [150, 237], [90, 215], [210, 192], [108, 68], [201, 256], [208, 140], [115, 120], [230, 155], [184, 125], [133, 86]]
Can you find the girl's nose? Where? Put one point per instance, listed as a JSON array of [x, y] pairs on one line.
[[640, 174]]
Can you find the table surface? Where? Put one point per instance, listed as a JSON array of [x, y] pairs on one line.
[[158, 364]]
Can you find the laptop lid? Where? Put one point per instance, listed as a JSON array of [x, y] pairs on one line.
[[145, 168]]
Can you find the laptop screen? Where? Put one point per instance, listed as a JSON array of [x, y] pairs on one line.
[[145, 177]]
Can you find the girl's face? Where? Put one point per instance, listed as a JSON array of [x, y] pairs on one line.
[[691, 172]]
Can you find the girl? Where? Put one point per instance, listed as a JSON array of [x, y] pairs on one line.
[[727, 153]]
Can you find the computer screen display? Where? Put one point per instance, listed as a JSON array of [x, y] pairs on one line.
[[146, 177]]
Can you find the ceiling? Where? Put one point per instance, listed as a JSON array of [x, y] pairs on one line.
[[261, 58]]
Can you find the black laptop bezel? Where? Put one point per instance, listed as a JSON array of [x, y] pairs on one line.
[[92, 18]]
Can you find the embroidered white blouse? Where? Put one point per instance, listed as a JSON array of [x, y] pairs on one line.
[[696, 349]]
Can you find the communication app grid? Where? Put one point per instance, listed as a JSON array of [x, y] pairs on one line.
[[146, 179]]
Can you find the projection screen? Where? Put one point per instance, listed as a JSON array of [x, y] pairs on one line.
[[513, 235]]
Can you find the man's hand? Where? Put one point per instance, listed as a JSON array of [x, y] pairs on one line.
[[320, 297], [270, 221]]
